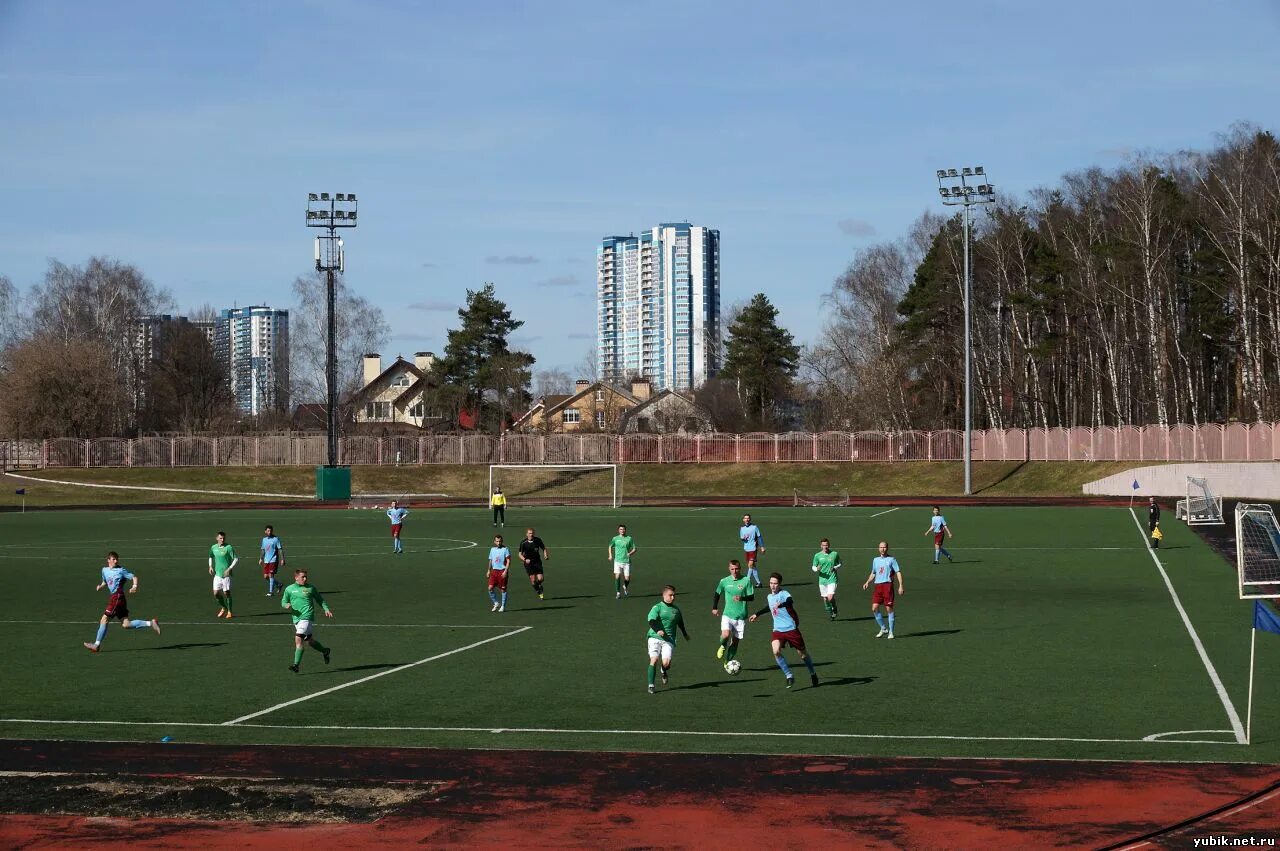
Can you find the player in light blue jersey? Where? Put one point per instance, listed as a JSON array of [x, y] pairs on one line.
[[752, 546], [884, 568], [272, 559], [397, 515], [938, 527], [113, 579], [786, 629], [498, 569]]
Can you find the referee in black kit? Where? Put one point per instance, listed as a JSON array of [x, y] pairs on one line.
[[1153, 521]]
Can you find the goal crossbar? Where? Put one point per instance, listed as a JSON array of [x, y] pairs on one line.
[[1257, 551], [615, 490]]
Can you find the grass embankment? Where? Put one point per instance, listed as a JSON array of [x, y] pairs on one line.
[[919, 478]]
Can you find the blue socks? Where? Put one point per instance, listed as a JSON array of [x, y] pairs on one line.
[[138, 625], [879, 620], [271, 585], [493, 596], [890, 621], [399, 548], [504, 599], [102, 632], [754, 576], [808, 663], [782, 663]]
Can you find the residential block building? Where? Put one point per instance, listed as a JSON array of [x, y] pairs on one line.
[[253, 343]]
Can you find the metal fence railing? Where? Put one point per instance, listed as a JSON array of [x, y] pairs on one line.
[[1211, 442]]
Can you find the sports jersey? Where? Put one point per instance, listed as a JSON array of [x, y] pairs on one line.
[[622, 546], [497, 500], [936, 523], [883, 568], [223, 555], [667, 616], [112, 577], [303, 599], [751, 537], [782, 620], [826, 565], [498, 557], [271, 549], [744, 588], [397, 515], [532, 550]]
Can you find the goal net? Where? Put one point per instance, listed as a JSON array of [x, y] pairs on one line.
[[1257, 551], [1201, 507], [830, 498], [558, 484]]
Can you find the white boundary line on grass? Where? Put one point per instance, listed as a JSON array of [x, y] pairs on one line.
[[161, 490], [332, 689], [276, 624], [1232, 716], [1147, 740], [878, 513]]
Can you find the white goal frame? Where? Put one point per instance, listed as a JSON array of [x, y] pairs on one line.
[[1198, 491], [839, 499], [613, 468], [1252, 589]]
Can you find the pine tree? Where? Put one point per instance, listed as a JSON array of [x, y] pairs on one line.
[[478, 357], [761, 358]]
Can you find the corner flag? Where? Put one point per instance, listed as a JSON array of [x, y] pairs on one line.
[[1135, 484], [1265, 619], [21, 491]]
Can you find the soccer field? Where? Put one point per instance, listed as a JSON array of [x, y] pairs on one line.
[[1055, 634]]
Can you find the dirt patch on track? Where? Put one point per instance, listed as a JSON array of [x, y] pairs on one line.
[[216, 798]]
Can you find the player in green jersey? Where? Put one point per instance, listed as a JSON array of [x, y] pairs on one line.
[[222, 560], [826, 563], [621, 549], [738, 590], [301, 600], [664, 619]]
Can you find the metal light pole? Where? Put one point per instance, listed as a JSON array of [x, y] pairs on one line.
[[331, 212], [966, 187]]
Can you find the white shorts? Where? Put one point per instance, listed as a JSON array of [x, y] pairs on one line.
[[660, 648], [826, 590], [302, 628], [221, 583], [734, 626], [622, 568]]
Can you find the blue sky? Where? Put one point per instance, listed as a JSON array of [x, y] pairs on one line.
[[500, 141]]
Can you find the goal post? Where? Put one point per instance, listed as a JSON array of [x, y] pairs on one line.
[[1257, 551], [1201, 507], [576, 484], [830, 499]]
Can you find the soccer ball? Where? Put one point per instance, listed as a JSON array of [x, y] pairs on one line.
[[733, 666]]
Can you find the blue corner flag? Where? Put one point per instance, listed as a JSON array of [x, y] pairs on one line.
[[20, 491], [1135, 484], [1265, 619]]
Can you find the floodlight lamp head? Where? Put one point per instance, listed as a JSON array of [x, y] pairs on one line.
[[951, 172], [944, 191], [351, 196], [966, 170], [311, 196], [942, 172], [324, 196], [977, 169], [351, 214]]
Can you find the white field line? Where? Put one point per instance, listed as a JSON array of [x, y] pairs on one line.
[[1232, 716], [878, 513], [601, 732], [279, 623], [332, 689], [160, 490]]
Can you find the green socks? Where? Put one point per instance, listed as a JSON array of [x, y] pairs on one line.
[[297, 656], [653, 673]]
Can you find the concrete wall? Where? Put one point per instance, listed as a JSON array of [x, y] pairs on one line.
[[1257, 480]]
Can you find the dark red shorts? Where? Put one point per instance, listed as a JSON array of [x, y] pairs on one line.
[[937, 538], [118, 606], [751, 558], [791, 637], [269, 568], [395, 530], [882, 594], [498, 579]]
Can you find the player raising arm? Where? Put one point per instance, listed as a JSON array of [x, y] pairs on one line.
[[301, 599], [664, 619], [883, 568], [938, 527], [113, 579]]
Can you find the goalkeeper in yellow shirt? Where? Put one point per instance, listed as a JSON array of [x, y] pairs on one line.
[[498, 502]]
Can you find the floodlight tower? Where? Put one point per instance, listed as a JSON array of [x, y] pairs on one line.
[[966, 187], [331, 212]]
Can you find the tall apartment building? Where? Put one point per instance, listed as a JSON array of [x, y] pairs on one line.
[[658, 306], [253, 343]]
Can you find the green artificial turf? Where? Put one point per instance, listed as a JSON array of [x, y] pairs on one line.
[[1053, 635]]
